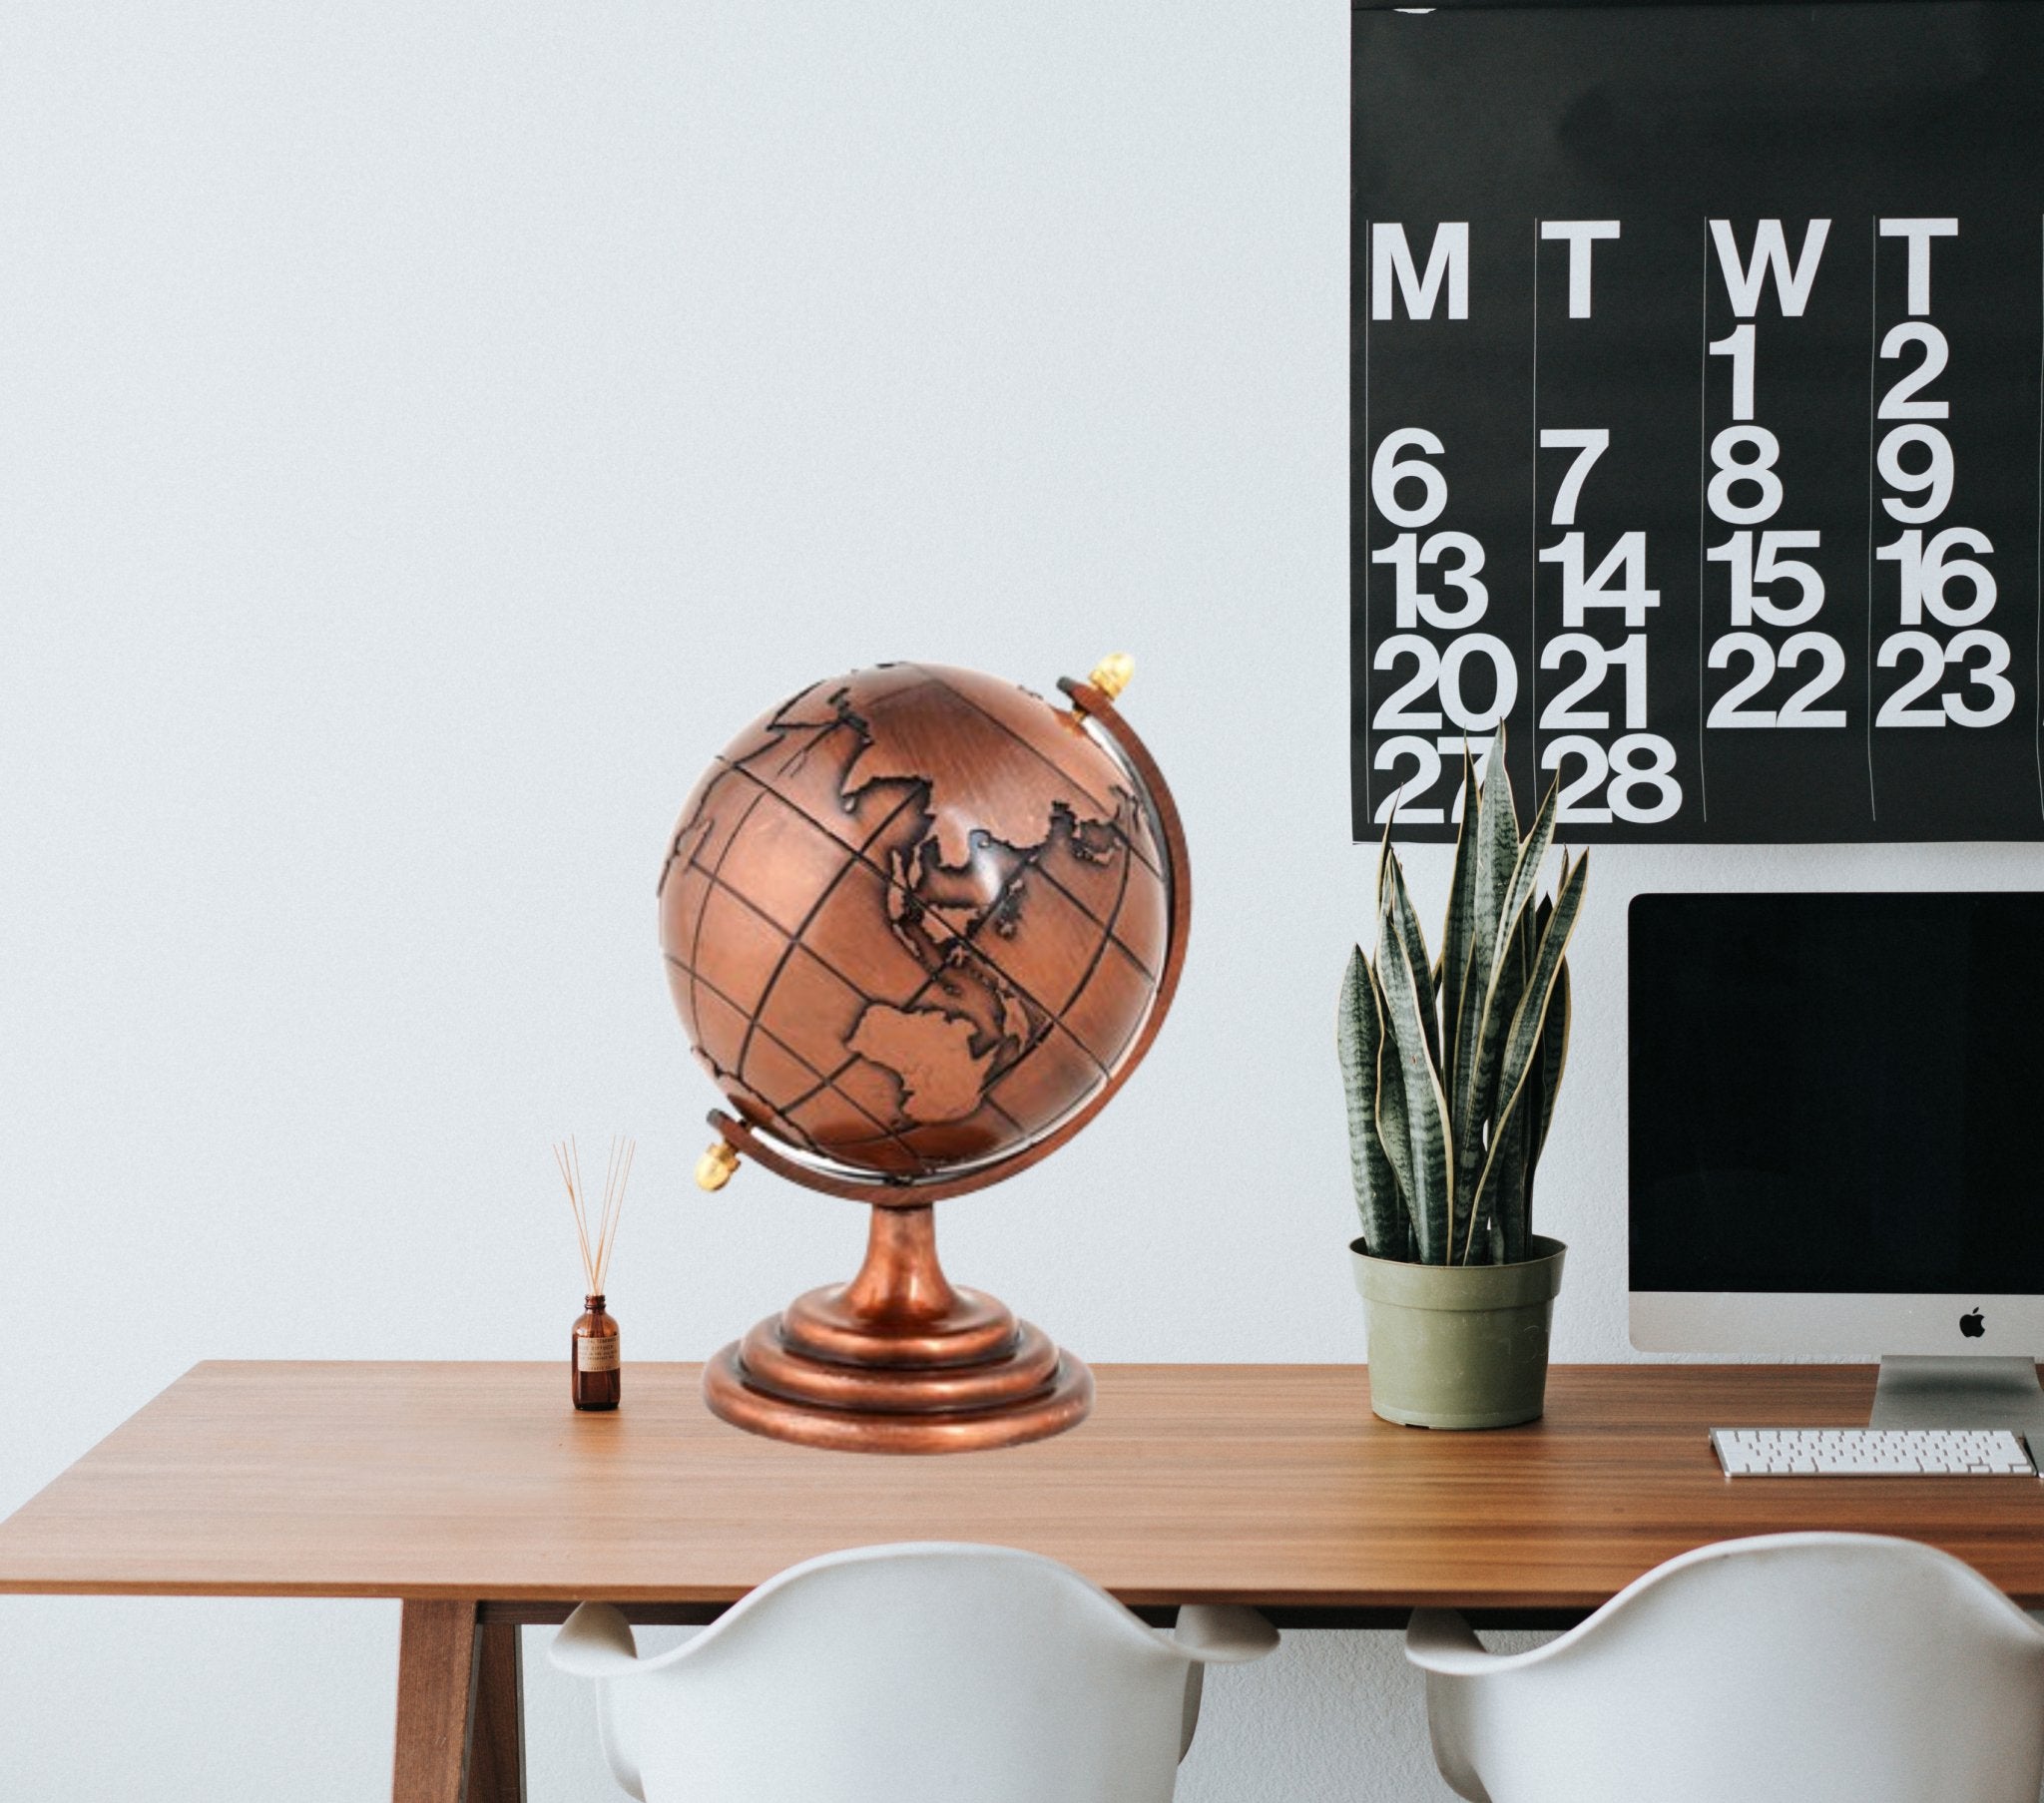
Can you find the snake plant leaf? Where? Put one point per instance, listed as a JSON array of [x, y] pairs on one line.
[[1393, 1136], [1543, 1083], [1477, 1091], [1497, 856], [1514, 968], [1391, 874], [1536, 1112], [1525, 939], [1497, 853], [1529, 1020], [1459, 922], [1405, 920], [1494, 766], [1504, 1217], [1358, 1039], [1504, 1203], [1525, 878], [1429, 1136]]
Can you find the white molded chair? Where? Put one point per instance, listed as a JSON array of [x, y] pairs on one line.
[[1788, 1668], [924, 1672]]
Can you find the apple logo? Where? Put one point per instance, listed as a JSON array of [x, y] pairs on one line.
[[1974, 1325]]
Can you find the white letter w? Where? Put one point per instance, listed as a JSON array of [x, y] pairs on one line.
[[1770, 253]]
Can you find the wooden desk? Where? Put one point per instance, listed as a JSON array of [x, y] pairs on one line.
[[477, 1495]]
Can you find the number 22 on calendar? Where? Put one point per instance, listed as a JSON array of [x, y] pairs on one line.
[[1776, 596]]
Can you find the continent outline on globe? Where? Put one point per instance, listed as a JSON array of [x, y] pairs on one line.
[[916, 921]]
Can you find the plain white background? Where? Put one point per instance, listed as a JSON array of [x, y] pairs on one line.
[[428, 434]]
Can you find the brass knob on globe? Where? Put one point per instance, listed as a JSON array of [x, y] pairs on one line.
[[1111, 674], [714, 1168]]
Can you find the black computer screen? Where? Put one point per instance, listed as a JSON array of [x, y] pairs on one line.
[[1837, 1093]]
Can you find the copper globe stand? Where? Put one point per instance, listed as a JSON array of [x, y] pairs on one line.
[[897, 1360]]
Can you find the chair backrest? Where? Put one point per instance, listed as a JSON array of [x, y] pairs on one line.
[[916, 1674], [1791, 1668]]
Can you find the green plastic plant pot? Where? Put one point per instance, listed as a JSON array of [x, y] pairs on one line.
[[1460, 1346]]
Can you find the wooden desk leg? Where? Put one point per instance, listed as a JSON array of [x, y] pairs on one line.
[[460, 1733], [496, 1759]]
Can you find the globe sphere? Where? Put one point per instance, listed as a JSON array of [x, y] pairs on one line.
[[916, 920]]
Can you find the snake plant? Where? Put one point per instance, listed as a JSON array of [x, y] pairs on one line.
[[1451, 1066]]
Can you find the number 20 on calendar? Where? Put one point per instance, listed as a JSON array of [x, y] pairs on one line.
[[1470, 683]]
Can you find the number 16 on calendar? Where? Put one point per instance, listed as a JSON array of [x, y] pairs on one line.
[[1941, 658]]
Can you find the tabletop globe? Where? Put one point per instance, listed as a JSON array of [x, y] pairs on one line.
[[915, 920], [920, 924]]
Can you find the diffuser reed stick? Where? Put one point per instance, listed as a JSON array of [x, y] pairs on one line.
[[596, 1254], [595, 1372]]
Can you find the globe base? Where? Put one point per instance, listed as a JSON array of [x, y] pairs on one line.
[[899, 1361], [732, 1397]]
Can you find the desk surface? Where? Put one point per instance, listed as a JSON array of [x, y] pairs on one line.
[[1262, 1484]]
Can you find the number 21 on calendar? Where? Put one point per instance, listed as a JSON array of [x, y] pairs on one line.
[[1630, 776]]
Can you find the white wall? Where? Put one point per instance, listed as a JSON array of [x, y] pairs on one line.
[[426, 433]]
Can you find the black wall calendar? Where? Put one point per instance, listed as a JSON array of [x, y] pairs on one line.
[[1696, 427]]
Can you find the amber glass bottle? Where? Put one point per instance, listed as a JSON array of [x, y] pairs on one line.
[[595, 1376]]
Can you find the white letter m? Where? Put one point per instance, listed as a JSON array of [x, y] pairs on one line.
[[1391, 258]]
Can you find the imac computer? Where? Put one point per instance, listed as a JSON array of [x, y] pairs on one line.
[[1837, 1140]]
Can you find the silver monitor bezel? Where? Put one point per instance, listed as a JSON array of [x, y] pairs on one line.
[[1822, 1324]]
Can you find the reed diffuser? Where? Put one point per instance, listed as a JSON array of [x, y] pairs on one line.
[[595, 1369]]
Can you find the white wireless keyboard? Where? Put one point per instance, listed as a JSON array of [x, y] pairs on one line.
[[1871, 1453]]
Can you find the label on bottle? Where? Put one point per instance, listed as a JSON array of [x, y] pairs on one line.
[[597, 1355]]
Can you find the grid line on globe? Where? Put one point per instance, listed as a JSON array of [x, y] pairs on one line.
[[915, 966], [824, 1079]]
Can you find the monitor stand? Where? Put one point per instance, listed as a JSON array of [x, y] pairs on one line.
[[1957, 1392]]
